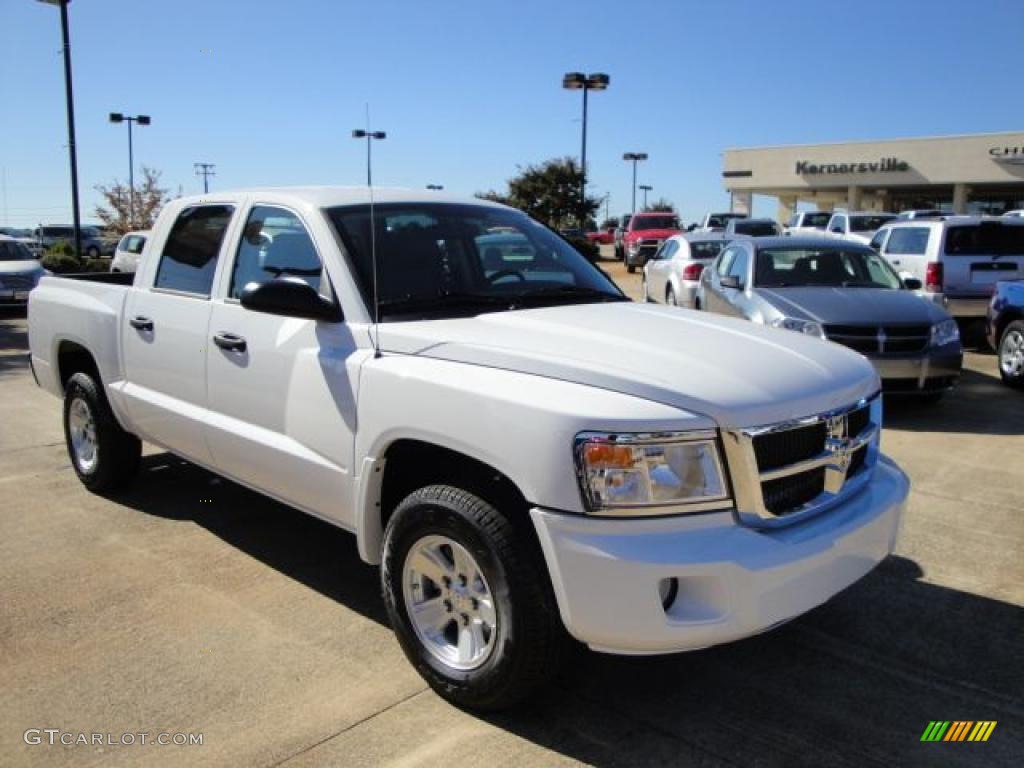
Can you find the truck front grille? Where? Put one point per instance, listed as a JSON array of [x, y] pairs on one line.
[[881, 341], [791, 470], [649, 247]]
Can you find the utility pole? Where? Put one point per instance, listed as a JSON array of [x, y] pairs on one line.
[[205, 170]]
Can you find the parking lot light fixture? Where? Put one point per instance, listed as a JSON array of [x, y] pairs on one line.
[[634, 157], [577, 81], [435, 187], [358, 133], [119, 117], [646, 188], [69, 98]]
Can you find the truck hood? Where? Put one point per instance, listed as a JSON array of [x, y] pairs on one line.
[[853, 306], [652, 234], [737, 373]]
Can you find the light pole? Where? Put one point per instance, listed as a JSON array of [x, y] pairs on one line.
[[646, 188], [635, 157], [369, 136], [69, 97], [205, 170], [577, 81], [117, 117]]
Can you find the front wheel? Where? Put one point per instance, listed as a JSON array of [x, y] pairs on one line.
[[1011, 354], [103, 455], [630, 268], [670, 297], [467, 595]]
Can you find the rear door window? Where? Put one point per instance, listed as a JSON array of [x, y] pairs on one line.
[[908, 241], [189, 258], [985, 239]]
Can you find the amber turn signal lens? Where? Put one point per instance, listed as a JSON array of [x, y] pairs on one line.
[[608, 456]]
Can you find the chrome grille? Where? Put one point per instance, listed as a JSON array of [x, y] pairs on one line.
[[648, 247], [783, 472], [881, 340]]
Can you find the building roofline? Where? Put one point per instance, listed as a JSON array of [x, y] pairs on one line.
[[875, 141]]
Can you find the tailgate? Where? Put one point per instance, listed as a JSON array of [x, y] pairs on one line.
[[978, 255]]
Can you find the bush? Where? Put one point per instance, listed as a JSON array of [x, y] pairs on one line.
[[60, 263], [61, 248]]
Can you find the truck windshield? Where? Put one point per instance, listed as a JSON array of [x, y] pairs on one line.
[[868, 223], [834, 268], [446, 260], [640, 223], [817, 220], [13, 251]]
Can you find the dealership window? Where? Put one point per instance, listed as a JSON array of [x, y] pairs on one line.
[[908, 241]]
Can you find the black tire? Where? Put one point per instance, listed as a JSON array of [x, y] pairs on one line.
[[117, 452], [92, 252], [529, 643], [1013, 331], [670, 297], [631, 268]]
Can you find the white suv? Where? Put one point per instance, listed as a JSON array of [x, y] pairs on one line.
[[957, 258], [857, 226]]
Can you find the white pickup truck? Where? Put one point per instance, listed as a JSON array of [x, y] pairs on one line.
[[528, 455]]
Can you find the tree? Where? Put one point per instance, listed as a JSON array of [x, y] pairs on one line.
[[549, 192], [116, 215], [661, 205]]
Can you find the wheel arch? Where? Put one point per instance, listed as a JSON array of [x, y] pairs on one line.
[[407, 464]]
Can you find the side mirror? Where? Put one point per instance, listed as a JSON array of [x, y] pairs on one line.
[[290, 297], [731, 281], [912, 284]]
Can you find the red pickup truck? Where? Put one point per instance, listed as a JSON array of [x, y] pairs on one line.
[[645, 234]]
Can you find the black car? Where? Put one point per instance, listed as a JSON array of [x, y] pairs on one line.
[[1004, 327]]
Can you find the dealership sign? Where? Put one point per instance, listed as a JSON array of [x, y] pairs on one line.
[[883, 165], [1008, 155]]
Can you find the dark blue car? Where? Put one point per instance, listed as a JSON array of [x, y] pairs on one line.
[[1004, 327]]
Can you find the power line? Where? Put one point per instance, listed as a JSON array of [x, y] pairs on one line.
[[206, 171]]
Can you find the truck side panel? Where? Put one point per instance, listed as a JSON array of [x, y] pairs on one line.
[[79, 312]]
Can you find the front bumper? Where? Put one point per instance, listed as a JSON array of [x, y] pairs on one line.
[[734, 581], [937, 371]]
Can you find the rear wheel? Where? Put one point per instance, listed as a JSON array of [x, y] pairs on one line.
[[1011, 354], [670, 297], [468, 599], [103, 455]]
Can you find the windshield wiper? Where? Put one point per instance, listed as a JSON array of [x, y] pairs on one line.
[[451, 300], [570, 291]]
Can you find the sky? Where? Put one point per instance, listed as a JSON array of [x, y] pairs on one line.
[[469, 92]]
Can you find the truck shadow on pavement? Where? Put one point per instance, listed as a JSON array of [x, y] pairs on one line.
[[980, 404], [854, 682]]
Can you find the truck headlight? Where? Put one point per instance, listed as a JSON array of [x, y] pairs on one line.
[[807, 327], [633, 246], [650, 474], [945, 332]]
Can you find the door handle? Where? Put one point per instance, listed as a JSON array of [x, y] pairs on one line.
[[895, 261], [141, 323], [229, 341]]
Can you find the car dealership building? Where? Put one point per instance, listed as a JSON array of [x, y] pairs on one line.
[[977, 173]]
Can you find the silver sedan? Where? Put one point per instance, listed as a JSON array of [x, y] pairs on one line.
[[672, 275]]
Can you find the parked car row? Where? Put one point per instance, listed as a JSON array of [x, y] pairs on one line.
[[20, 271], [897, 301]]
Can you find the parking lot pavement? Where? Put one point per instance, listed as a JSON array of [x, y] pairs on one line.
[[188, 604]]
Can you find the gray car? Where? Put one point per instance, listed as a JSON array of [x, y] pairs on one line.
[[843, 292]]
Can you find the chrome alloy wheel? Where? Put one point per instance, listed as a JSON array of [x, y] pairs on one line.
[[450, 604], [1011, 354], [82, 428]]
